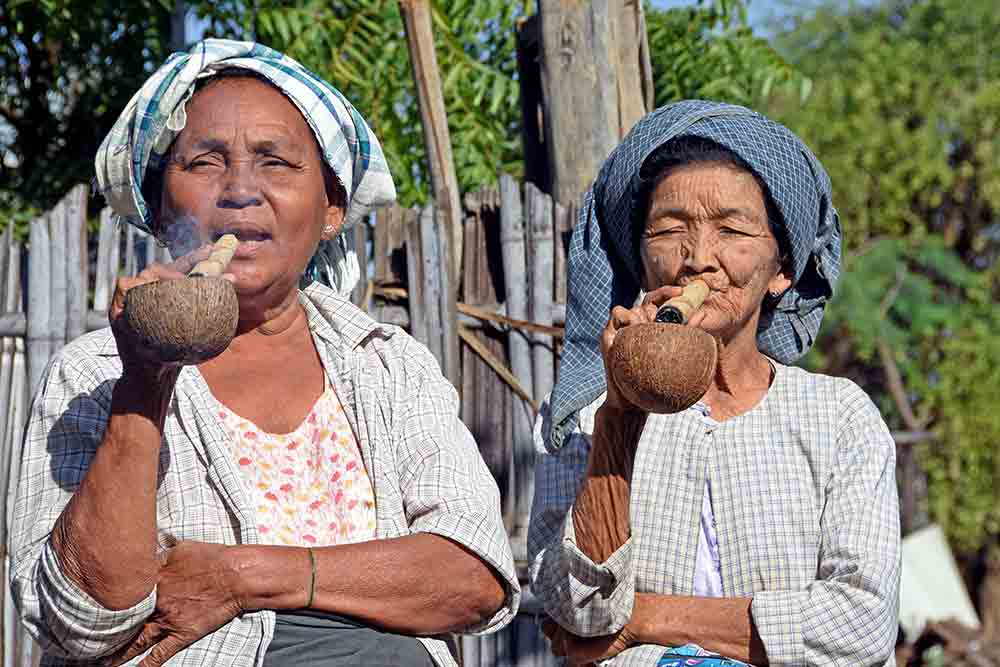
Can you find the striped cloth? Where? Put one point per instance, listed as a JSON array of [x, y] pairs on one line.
[[604, 265], [426, 470], [806, 511], [141, 137]]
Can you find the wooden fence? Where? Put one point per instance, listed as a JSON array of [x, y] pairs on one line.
[[494, 330]]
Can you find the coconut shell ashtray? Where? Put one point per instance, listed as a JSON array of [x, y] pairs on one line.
[[665, 366], [189, 320]]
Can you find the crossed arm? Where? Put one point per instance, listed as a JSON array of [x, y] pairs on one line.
[[600, 518]]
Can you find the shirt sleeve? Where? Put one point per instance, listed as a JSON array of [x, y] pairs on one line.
[[65, 425], [447, 488], [849, 615], [587, 598]]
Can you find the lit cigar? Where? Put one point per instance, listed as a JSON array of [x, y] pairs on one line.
[[679, 309]]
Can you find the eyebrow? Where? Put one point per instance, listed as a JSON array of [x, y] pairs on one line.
[[685, 215], [263, 146]]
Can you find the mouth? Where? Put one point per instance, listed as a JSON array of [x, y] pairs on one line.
[[251, 239]]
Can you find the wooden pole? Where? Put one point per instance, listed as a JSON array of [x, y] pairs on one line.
[[76, 262], [591, 54], [415, 276], [58, 269], [434, 119], [540, 241], [39, 300], [514, 265]]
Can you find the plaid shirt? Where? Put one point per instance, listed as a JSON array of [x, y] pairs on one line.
[[425, 468], [805, 502]]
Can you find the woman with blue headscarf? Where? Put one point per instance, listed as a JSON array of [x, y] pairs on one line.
[[760, 525], [309, 496]]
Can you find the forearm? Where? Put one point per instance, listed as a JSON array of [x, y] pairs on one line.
[[419, 584], [601, 510], [105, 537], [722, 625]]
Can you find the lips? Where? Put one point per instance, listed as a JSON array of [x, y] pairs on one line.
[[252, 238]]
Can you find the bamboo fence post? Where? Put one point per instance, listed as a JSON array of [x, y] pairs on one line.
[[415, 276], [102, 272], [451, 358], [39, 300], [430, 259], [434, 120], [76, 262], [6, 347], [57, 269], [542, 254], [130, 257], [514, 264], [360, 234]]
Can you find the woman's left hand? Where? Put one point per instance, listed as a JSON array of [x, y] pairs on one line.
[[193, 599], [581, 651]]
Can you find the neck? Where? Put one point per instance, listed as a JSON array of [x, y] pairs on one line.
[[742, 375], [274, 320]]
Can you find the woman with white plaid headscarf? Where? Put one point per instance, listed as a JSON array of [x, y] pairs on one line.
[[761, 524], [307, 497]]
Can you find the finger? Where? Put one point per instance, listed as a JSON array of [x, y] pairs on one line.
[[185, 263], [147, 637], [661, 295], [697, 318], [623, 317], [163, 651]]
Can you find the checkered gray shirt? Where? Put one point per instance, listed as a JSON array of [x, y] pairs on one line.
[[426, 471], [805, 503]]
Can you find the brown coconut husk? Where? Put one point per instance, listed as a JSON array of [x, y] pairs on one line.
[[663, 368], [190, 320]]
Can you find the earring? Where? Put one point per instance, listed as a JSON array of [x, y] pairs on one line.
[[775, 295]]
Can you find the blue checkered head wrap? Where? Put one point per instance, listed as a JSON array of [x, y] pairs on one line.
[[604, 264], [139, 142]]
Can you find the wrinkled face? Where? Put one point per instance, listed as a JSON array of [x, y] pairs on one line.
[[247, 163], [709, 221]]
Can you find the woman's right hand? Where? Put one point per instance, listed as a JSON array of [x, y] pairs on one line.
[[622, 317], [139, 363]]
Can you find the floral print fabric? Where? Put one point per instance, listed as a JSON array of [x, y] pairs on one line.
[[310, 486]]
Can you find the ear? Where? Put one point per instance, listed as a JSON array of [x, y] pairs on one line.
[[333, 221], [780, 282]]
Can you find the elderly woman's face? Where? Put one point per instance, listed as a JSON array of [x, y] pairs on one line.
[[247, 163], [709, 221]]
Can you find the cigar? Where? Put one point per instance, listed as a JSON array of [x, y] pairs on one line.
[[679, 309], [222, 253]]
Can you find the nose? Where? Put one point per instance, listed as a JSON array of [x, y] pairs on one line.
[[700, 255], [240, 189]]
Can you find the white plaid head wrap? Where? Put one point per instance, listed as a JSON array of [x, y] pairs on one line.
[[143, 133], [604, 265]]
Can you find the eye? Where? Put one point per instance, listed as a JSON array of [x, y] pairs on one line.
[[275, 161], [204, 161]]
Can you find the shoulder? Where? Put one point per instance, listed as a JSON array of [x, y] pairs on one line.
[[852, 414], [85, 363]]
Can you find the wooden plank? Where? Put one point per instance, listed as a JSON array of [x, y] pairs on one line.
[[447, 303], [76, 262], [380, 243], [39, 300], [102, 274], [59, 300], [519, 346], [629, 36], [415, 276], [6, 343], [131, 265], [360, 237], [539, 229], [473, 385], [430, 258], [434, 120], [564, 217]]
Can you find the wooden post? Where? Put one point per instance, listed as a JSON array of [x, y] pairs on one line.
[[434, 119], [415, 276], [76, 262], [360, 233], [131, 263], [39, 300], [542, 253], [59, 299], [593, 92], [514, 265], [103, 279]]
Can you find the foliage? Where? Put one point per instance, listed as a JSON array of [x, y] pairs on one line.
[[708, 51], [360, 46], [904, 114], [68, 67]]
